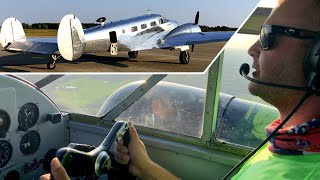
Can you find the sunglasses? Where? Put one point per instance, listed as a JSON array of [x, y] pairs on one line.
[[268, 34]]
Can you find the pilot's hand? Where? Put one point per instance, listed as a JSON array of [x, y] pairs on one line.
[[135, 153], [57, 170]]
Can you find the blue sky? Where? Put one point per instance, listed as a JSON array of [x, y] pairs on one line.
[[212, 12]]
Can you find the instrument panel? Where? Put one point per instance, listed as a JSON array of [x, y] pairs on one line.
[[27, 132]]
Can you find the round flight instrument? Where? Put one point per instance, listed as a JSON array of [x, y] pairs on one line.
[[28, 116], [4, 122], [5, 153], [30, 143]]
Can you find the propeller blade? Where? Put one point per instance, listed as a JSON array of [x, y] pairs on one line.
[[196, 21]]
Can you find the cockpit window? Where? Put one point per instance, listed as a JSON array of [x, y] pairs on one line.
[[83, 94], [162, 20], [176, 104]]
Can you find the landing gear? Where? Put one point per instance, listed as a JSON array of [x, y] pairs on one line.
[[52, 64], [184, 57], [133, 54]]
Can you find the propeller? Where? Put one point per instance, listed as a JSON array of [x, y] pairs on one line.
[[196, 21]]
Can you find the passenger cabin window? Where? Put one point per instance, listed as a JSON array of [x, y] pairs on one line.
[[134, 29], [143, 26], [153, 23]]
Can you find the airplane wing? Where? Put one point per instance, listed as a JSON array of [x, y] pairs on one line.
[[157, 41], [195, 38], [13, 38], [34, 45]]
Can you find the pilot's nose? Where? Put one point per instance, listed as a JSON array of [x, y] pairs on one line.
[[255, 50]]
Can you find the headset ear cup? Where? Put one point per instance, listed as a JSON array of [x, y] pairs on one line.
[[312, 63]]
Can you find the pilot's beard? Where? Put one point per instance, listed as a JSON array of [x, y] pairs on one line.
[[281, 98]]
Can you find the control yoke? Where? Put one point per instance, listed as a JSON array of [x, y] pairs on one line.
[[85, 160]]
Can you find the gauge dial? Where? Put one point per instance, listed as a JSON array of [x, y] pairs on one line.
[[30, 143], [28, 116], [4, 122], [5, 153]]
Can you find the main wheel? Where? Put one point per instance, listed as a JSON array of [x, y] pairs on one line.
[[133, 54], [184, 57], [51, 65]]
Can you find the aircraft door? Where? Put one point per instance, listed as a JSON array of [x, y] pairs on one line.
[[113, 43]]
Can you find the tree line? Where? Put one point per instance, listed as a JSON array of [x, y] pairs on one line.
[[52, 25], [217, 28]]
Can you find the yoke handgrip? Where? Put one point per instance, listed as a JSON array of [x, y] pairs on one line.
[[78, 163]]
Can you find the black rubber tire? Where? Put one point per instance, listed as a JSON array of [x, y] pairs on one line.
[[130, 54], [50, 65], [184, 57], [133, 54]]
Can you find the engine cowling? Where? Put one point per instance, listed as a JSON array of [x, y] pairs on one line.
[[185, 28]]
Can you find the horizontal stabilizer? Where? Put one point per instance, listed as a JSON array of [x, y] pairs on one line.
[[71, 41], [11, 30]]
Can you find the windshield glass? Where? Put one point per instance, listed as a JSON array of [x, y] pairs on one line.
[[176, 104], [86, 94]]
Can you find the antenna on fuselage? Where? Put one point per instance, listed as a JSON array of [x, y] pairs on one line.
[[149, 12]]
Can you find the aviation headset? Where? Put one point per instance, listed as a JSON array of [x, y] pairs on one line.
[[312, 65]]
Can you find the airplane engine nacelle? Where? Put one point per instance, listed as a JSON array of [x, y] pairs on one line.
[[185, 28], [71, 40]]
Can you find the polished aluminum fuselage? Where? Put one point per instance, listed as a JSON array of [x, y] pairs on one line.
[[98, 38]]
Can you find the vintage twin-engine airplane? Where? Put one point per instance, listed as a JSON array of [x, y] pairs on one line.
[[132, 35]]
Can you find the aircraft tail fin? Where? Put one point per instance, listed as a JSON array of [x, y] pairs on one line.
[[71, 41], [11, 30]]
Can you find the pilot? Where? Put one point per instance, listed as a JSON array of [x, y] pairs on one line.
[[294, 152]]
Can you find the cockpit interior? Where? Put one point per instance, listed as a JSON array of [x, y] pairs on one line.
[[190, 124]]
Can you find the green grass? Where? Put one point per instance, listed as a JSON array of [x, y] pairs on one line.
[[82, 98], [252, 26], [41, 32]]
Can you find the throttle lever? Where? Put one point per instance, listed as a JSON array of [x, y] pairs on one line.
[[97, 161]]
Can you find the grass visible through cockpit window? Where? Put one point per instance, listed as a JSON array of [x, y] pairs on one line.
[[84, 95]]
